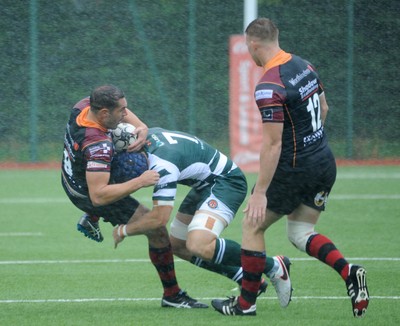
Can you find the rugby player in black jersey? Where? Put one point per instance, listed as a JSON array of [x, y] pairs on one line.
[[88, 152], [297, 170]]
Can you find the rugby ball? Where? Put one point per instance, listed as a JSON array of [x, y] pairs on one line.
[[123, 136]]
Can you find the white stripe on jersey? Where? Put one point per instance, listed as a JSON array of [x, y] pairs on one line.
[[196, 171], [221, 164], [158, 164], [165, 192]]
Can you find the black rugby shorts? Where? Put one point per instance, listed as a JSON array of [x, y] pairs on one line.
[[309, 186]]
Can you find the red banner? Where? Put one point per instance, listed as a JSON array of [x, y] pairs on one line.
[[245, 127]]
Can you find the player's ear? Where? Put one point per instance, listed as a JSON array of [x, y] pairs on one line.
[[104, 112]]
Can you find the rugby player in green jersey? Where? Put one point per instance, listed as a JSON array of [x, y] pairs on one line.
[[218, 188]]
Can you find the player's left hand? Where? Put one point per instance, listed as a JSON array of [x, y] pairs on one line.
[[117, 238], [141, 134]]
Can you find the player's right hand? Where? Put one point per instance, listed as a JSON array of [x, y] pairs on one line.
[[255, 210], [140, 134], [149, 178]]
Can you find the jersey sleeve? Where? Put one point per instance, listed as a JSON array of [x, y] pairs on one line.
[[270, 96], [98, 156], [164, 192]]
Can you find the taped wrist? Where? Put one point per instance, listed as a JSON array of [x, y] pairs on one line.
[[122, 231]]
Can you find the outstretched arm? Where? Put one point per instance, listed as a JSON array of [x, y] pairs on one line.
[[152, 220], [102, 193]]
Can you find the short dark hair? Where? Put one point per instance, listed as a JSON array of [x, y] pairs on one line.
[[263, 28], [106, 96]]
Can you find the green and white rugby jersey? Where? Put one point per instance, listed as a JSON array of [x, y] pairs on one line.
[[181, 158]]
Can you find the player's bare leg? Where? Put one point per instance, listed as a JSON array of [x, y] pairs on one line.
[[301, 233]]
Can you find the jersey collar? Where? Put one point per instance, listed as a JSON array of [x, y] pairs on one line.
[[83, 121], [280, 58]]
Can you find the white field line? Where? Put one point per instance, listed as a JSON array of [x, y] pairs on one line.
[[41, 200], [19, 201], [21, 234], [364, 197], [85, 300], [367, 176], [144, 260]]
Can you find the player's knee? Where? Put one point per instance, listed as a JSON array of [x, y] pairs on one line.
[[202, 232], [299, 232], [178, 247], [200, 246], [178, 229], [194, 247], [158, 238], [158, 233], [250, 228]]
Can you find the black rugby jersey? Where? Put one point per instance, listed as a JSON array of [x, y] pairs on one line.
[[288, 93], [87, 147]]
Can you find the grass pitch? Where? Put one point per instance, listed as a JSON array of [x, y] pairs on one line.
[[51, 275]]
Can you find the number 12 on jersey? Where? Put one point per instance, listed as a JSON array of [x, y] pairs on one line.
[[314, 108]]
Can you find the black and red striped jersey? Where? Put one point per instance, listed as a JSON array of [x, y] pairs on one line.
[[288, 93], [87, 147]]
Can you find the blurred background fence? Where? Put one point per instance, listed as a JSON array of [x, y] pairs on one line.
[[171, 59]]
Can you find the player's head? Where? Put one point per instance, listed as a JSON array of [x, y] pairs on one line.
[[109, 105], [263, 29], [261, 34], [106, 96], [128, 165]]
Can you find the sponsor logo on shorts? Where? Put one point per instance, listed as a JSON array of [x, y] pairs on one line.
[[321, 198], [212, 203]]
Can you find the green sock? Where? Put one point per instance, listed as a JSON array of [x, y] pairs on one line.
[[227, 252], [269, 265], [232, 272]]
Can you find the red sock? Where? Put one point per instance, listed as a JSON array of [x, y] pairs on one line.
[[253, 263], [163, 261], [324, 250]]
